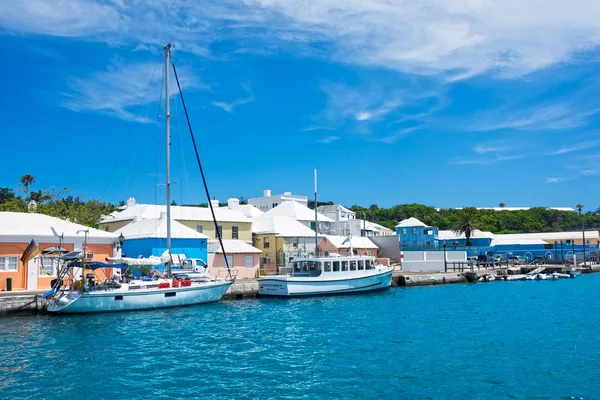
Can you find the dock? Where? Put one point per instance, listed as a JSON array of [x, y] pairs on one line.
[[31, 302]]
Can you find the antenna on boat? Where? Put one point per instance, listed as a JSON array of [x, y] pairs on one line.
[[316, 220], [168, 147]]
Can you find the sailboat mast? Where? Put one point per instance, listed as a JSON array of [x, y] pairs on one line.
[[316, 220], [168, 147]]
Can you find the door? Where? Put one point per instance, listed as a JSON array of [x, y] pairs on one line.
[[32, 274]]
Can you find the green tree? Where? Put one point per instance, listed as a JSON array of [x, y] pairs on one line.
[[467, 223], [27, 180]]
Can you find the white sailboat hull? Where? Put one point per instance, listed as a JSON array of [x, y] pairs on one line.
[[362, 281], [138, 299]]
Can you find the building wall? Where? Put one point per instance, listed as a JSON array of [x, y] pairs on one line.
[[20, 278], [417, 236], [114, 226], [269, 202], [282, 249], [430, 261], [208, 228], [218, 268], [193, 248]]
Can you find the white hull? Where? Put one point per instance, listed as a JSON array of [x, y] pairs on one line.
[[138, 299], [354, 282]]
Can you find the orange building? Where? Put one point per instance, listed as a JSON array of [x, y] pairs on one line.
[[53, 236], [241, 257]]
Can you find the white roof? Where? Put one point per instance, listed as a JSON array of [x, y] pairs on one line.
[[508, 241], [157, 228], [297, 211], [550, 236], [281, 226], [372, 226], [179, 213], [233, 247], [410, 222], [358, 242], [331, 209], [250, 211], [475, 234], [22, 227]]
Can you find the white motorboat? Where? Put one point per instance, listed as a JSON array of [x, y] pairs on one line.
[[559, 275], [313, 276], [517, 277], [72, 294], [487, 278]]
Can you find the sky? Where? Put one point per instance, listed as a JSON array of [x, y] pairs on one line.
[[442, 102]]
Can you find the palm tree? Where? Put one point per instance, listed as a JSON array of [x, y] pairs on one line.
[[27, 180], [579, 207], [501, 205], [466, 224]]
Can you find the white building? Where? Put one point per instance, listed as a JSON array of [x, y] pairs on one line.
[[302, 214], [269, 201], [345, 223]]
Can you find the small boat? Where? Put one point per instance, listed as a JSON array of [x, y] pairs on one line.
[[487, 278], [558, 275], [312, 276], [517, 277]]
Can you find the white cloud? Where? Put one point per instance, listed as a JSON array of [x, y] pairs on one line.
[[555, 179], [119, 90], [317, 128], [483, 148], [328, 139], [228, 107], [577, 147], [456, 38]]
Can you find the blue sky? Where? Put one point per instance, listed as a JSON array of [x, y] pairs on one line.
[[445, 103]]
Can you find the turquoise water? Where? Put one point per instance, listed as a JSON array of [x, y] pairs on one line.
[[518, 340]]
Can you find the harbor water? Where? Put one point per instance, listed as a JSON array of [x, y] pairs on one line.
[[517, 340]]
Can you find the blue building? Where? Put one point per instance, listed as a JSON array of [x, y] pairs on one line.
[[148, 237], [414, 234]]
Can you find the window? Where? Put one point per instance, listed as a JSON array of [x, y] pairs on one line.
[[327, 266], [230, 261], [106, 228], [9, 263], [369, 264], [326, 253], [336, 266], [344, 265], [249, 261], [220, 231], [89, 255], [404, 231], [234, 232], [199, 229], [47, 266], [369, 253], [353, 265], [414, 231], [266, 243], [295, 242], [361, 264]]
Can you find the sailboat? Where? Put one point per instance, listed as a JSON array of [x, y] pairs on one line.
[[112, 295], [329, 275]]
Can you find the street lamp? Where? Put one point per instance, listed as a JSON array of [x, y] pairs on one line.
[[121, 240], [556, 249], [445, 261]]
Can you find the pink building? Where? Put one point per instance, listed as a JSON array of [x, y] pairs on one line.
[[241, 257], [361, 246]]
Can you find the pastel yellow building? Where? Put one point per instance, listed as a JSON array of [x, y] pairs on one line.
[[232, 223]]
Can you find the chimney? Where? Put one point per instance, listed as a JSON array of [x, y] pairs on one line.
[[131, 202], [267, 193], [215, 203], [233, 204], [287, 193]]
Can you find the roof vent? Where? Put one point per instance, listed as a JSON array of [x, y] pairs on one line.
[[215, 203], [267, 193], [131, 202]]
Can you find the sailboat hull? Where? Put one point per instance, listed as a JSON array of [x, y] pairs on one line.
[[130, 300]]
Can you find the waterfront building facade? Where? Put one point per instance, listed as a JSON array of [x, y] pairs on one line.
[[241, 257], [347, 246], [232, 223], [414, 234], [54, 237]]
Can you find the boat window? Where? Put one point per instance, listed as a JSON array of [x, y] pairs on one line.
[[361, 264], [296, 267], [318, 266], [344, 265], [327, 265], [370, 264], [353, 265], [336, 266]]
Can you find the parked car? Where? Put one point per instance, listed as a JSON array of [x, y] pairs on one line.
[[498, 261], [471, 260], [516, 260]]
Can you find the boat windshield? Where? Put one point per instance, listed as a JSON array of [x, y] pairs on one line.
[[307, 268]]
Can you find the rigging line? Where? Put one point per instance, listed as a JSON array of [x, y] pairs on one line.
[[130, 131], [212, 211], [180, 142]]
